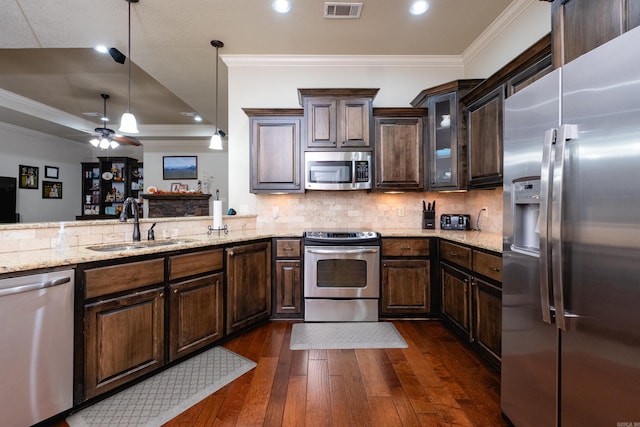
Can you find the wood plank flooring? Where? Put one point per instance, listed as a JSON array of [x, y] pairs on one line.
[[436, 381]]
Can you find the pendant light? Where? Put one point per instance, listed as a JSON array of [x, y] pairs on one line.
[[216, 138], [128, 122]]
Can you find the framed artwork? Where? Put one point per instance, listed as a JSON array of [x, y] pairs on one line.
[[51, 190], [175, 187], [28, 177], [51, 172], [184, 188], [179, 167]]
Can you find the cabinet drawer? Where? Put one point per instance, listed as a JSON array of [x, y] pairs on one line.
[[119, 278], [405, 247], [488, 265], [288, 248], [194, 263], [456, 254]]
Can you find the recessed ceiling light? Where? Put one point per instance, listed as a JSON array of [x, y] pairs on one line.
[[281, 6], [101, 49], [418, 7]]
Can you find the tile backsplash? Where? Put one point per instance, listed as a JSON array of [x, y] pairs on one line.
[[360, 209]]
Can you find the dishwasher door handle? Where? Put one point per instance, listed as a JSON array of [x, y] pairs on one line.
[[34, 286]]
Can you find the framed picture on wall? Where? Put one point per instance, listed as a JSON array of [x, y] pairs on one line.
[[28, 177], [179, 167], [51, 190], [51, 172], [175, 187]]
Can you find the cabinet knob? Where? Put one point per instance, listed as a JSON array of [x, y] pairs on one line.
[[231, 253], [496, 269], [287, 249], [175, 291], [405, 248], [453, 254]]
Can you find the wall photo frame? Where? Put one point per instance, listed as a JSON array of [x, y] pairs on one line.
[[179, 167], [28, 177], [51, 190], [51, 172], [175, 187]]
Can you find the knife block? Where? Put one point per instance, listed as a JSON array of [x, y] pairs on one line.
[[429, 220]]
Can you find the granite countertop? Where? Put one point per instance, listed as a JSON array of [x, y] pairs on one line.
[[52, 258]]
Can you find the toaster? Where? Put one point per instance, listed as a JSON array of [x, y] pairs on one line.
[[455, 222]]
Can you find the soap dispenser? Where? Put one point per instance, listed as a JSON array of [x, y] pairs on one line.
[[62, 243]]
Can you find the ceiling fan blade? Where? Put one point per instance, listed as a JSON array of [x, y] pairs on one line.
[[129, 140]]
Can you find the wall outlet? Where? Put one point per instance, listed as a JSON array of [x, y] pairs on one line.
[[400, 211], [485, 212], [276, 212]]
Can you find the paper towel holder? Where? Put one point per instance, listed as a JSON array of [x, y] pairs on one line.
[[223, 228]]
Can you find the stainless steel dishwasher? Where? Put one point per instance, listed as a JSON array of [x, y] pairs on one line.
[[36, 347]]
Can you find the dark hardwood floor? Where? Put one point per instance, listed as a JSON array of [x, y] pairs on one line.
[[436, 381]]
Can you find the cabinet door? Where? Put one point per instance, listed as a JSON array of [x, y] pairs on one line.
[[288, 293], [276, 154], [353, 122], [124, 339], [195, 314], [322, 116], [405, 287], [455, 297], [399, 153], [248, 284], [582, 25], [443, 142], [485, 118], [487, 321]]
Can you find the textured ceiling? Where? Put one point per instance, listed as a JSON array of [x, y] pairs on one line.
[[46, 48]]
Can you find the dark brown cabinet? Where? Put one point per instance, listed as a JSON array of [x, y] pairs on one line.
[[287, 292], [196, 305], [124, 324], [248, 271], [406, 277], [484, 121], [472, 296], [579, 26], [446, 139], [276, 155], [399, 140], [337, 118]]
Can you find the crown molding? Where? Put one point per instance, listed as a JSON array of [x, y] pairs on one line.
[[342, 60]]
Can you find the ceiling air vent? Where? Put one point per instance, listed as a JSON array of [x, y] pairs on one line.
[[342, 10]]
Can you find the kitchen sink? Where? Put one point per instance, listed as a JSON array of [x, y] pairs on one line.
[[130, 246]]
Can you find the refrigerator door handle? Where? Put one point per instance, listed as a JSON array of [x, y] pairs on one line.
[[567, 133], [546, 174]]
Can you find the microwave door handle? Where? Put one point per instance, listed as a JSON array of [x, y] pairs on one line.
[[567, 133], [546, 176]]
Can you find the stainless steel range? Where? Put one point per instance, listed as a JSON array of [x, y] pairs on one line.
[[341, 276]]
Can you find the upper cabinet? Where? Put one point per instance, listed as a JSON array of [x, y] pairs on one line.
[[337, 118], [582, 25], [399, 134], [276, 158], [447, 143], [483, 112]]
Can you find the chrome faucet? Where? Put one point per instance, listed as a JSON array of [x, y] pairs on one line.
[[130, 201]]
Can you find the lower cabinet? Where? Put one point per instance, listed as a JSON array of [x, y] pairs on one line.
[[124, 339], [455, 297], [406, 277], [196, 304], [472, 296], [248, 284], [195, 313], [287, 283]]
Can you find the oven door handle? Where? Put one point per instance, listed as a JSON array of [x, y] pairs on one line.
[[341, 251]]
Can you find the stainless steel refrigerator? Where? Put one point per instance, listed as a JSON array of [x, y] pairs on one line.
[[571, 283]]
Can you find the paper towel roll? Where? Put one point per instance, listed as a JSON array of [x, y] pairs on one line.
[[217, 214]]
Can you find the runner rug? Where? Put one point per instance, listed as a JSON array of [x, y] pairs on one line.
[[160, 398], [325, 336]]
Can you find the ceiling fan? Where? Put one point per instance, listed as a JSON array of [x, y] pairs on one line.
[[108, 138]]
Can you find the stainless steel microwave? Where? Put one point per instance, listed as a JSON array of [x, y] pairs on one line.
[[341, 170]]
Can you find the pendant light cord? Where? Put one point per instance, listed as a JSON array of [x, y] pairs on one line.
[[129, 52], [217, 44]]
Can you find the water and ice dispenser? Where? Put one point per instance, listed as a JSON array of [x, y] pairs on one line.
[[526, 215]]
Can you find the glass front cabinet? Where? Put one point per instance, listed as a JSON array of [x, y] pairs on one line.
[[446, 153]]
